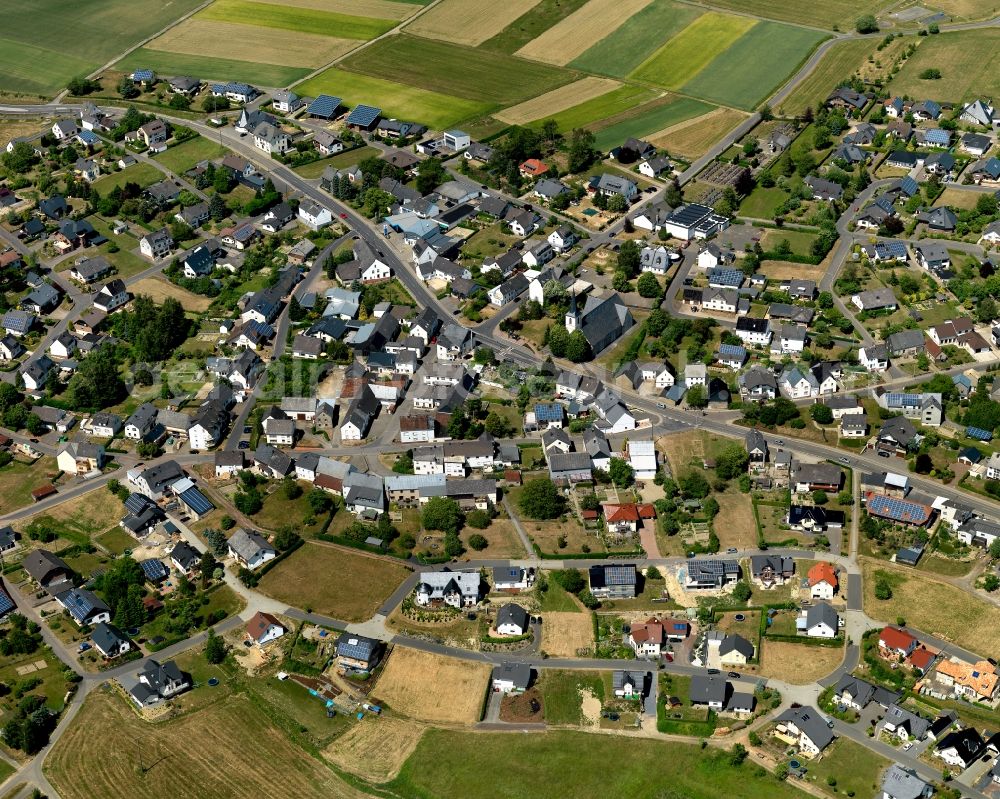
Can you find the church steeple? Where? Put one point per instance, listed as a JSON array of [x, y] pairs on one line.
[[572, 315]]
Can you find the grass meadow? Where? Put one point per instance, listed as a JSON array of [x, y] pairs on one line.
[[210, 68], [300, 20], [969, 62], [649, 118], [46, 42], [395, 99], [839, 62]]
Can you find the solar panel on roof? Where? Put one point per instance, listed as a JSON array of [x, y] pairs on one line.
[[979, 434], [325, 106], [898, 509], [197, 501], [6, 604], [731, 349], [153, 569], [363, 115]]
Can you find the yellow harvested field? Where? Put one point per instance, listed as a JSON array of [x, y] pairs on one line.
[[108, 752], [469, 22], [158, 290], [394, 739], [380, 9], [781, 270], [798, 664], [551, 103], [565, 633], [197, 36], [932, 606], [432, 687], [693, 137], [575, 34], [735, 524]]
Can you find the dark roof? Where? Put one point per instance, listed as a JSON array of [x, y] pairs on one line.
[[358, 647], [705, 688], [603, 575], [512, 613], [518, 673]]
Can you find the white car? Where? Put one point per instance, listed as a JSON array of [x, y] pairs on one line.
[[907, 745]]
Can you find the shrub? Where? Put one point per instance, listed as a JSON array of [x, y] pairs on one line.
[[478, 542]]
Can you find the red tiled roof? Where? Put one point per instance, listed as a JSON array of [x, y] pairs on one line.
[[896, 639], [822, 571], [922, 658], [621, 513], [533, 167], [258, 625], [650, 630]]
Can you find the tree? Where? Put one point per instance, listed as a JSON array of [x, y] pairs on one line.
[[123, 574], [478, 542], [845, 498], [883, 589], [923, 464], [696, 397], [498, 426], [820, 497], [737, 754], [215, 648], [629, 258], [97, 382], [742, 592], [577, 347], [217, 542], [621, 473], [319, 501], [480, 519], [442, 513], [581, 150], [570, 580], [127, 88], [648, 286], [617, 203], [540, 499], [821, 414], [290, 488], [994, 549], [991, 582], [131, 612], [931, 73], [732, 462], [866, 23], [248, 502], [693, 484], [558, 340], [206, 566]]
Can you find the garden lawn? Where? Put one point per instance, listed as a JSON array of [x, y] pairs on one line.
[[333, 581], [692, 50], [561, 763], [18, 480], [562, 692], [457, 71], [626, 48], [763, 203], [279, 511], [933, 607], [182, 157], [648, 118], [854, 768], [302, 20], [399, 100], [557, 599], [142, 174], [739, 77], [210, 68]]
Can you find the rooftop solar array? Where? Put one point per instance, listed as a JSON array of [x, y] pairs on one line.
[[197, 501], [6, 604], [898, 509], [325, 106], [363, 115], [979, 434]]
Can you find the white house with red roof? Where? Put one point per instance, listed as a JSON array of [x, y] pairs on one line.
[[895, 643]]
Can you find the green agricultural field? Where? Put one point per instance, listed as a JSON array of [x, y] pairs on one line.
[[626, 48], [531, 25], [838, 63], [740, 77], [452, 69], [649, 118], [692, 50], [46, 42], [185, 155], [615, 102], [293, 18], [208, 68], [565, 763], [969, 62], [827, 14], [395, 99]]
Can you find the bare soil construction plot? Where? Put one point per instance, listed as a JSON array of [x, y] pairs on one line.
[[233, 40], [780, 270], [393, 739], [431, 687], [576, 33], [469, 22], [565, 633], [158, 290], [693, 137], [735, 525], [798, 664], [551, 103]]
